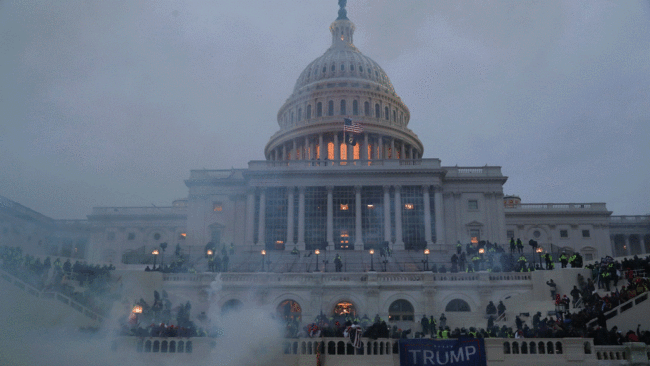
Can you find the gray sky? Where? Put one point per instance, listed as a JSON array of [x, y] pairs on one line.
[[111, 103]]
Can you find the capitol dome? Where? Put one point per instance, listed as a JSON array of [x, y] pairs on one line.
[[343, 84]]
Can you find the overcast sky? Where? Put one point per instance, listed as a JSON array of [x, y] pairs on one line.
[[112, 103]]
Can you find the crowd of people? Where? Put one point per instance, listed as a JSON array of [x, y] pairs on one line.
[[85, 283]]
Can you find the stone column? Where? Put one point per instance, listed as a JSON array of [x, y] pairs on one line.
[[290, 219], [250, 216], [330, 218], [380, 148], [410, 153], [427, 215], [364, 155], [393, 154], [387, 218], [628, 250], [296, 149], [301, 218], [439, 213], [261, 224], [307, 155], [321, 149], [402, 153], [337, 147], [399, 241], [284, 151], [358, 233]]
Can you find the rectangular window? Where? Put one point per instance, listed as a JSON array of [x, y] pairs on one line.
[[131, 236], [315, 218], [372, 216], [564, 233], [585, 233], [472, 204], [510, 234], [217, 206], [344, 217], [275, 218], [413, 218], [110, 235]]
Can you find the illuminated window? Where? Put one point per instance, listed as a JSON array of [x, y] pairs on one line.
[[475, 235], [217, 206], [356, 151], [344, 151], [182, 236], [345, 308], [369, 152], [330, 150], [472, 204], [289, 310], [317, 151], [344, 207], [409, 206]]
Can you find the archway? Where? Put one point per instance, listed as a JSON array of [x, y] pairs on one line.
[[289, 310], [345, 309], [400, 310], [230, 306], [457, 305]]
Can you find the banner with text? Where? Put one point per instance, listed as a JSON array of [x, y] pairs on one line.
[[449, 352]]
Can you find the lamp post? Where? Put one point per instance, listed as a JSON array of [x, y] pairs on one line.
[[263, 255], [481, 252], [539, 250], [426, 259], [155, 256], [209, 253], [372, 264], [163, 246], [317, 252]]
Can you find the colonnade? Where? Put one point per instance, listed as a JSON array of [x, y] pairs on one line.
[[257, 197], [368, 147]]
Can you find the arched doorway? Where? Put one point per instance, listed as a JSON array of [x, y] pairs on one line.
[[400, 310], [345, 309], [457, 305], [231, 306], [289, 310]]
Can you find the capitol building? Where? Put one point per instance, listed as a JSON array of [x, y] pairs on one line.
[[323, 190]]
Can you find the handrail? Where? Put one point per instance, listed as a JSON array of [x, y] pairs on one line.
[[622, 307], [62, 298]]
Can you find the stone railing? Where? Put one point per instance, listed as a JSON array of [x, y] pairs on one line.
[[66, 300], [560, 206], [354, 278], [366, 164], [622, 308], [465, 172], [636, 219], [103, 211], [339, 351], [189, 277]]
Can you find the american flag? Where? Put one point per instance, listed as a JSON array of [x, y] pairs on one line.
[[349, 126]]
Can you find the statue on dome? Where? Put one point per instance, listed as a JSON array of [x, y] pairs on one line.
[[343, 14]]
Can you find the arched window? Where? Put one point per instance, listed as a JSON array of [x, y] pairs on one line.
[[360, 68], [458, 305], [377, 111], [342, 67], [400, 310], [343, 111], [355, 107], [333, 67], [386, 114], [394, 116], [231, 305], [319, 109], [330, 108], [299, 114], [351, 67], [366, 109], [324, 69], [308, 111], [289, 310], [291, 117], [344, 308]]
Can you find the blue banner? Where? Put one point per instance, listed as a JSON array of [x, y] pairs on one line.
[[448, 352]]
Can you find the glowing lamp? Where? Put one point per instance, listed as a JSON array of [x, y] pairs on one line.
[[263, 252], [426, 252], [482, 250], [317, 251], [137, 309], [372, 251], [210, 252], [155, 252]]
